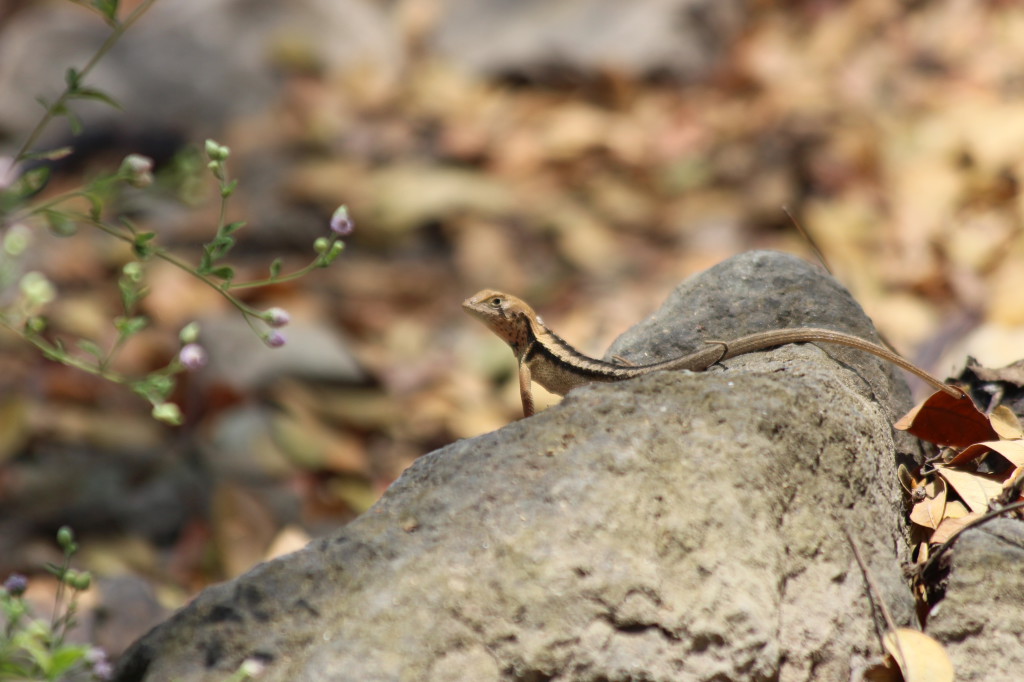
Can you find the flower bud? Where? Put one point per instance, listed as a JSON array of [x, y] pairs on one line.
[[192, 356], [137, 170], [16, 584], [277, 317], [216, 152], [37, 288], [341, 222], [169, 413], [274, 339], [189, 333], [65, 537]]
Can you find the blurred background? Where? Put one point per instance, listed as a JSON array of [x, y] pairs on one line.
[[586, 155]]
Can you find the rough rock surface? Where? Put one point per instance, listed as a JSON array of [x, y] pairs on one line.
[[981, 620], [538, 39], [675, 527], [189, 65]]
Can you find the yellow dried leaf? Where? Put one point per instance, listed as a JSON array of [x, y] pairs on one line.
[[1013, 450], [974, 489], [930, 511], [1006, 424], [951, 526], [289, 539], [955, 509], [920, 657]]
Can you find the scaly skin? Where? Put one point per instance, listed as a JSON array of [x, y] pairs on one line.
[[546, 358]]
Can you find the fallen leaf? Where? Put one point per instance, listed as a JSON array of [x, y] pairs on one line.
[[243, 526], [955, 509], [920, 657], [1006, 424], [945, 420], [1012, 450], [974, 489], [1011, 374], [289, 539], [930, 511], [950, 527]]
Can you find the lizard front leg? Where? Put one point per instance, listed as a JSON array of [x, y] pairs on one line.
[[526, 389]]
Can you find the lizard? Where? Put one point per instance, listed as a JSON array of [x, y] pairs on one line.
[[547, 359]]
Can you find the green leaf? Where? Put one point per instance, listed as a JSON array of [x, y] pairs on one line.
[[50, 154], [218, 247], [231, 228], [95, 206], [91, 348], [108, 8], [73, 121], [94, 94], [60, 223], [222, 245], [72, 78], [64, 659], [275, 268], [127, 326], [205, 261], [225, 272], [228, 189], [141, 244], [31, 182]]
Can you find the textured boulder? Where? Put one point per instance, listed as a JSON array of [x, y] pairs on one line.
[[981, 620], [675, 527], [541, 39]]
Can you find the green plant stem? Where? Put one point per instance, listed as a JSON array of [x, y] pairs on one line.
[[298, 274], [51, 351], [115, 35], [164, 255], [49, 203]]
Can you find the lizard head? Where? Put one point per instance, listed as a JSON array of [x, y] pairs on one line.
[[505, 315]]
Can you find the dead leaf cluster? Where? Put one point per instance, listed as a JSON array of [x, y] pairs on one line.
[[977, 475]]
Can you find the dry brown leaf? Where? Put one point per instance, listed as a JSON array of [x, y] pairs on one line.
[[955, 509], [243, 526], [14, 426], [930, 511], [945, 420], [951, 526], [289, 539], [1012, 450], [1006, 424], [974, 489], [883, 672], [1011, 374], [920, 657]]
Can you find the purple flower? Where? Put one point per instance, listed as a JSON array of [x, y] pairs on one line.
[[16, 584], [274, 339], [277, 317], [100, 664], [192, 356], [341, 222], [103, 670]]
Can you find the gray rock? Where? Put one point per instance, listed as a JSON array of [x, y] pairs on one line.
[[981, 620], [675, 527], [191, 65], [540, 38]]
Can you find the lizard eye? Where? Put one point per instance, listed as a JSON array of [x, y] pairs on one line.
[[496, 302]]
